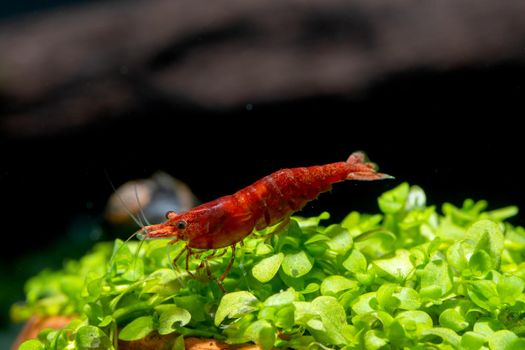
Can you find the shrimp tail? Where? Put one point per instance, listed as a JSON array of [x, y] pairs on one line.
[[362, 169]]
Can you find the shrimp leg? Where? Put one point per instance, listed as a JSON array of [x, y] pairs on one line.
[[188, 252], [230, 264], [188, 261]]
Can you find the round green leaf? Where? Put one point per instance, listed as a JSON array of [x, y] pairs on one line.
[[235, 305], [480, 263], [282, 298], [171, 315], [333, 285], [365, 303], [394, 200], [333, 318], [340, 241], [451, 318], [392, 297], [503, 340], [297, 265], [91, 338], [32, 344], [262, 333], [374, 340], [448, 335], [414, 321], [457, 255], [436, 279], [267, 268], [510, 288], [398, 267], [471, 340], [137, 329], [356, 262], [488, 327], [488, 236]]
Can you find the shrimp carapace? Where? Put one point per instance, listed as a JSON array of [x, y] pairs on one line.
[[227, 220]]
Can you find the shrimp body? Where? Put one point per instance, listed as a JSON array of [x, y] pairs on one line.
[[270, 200]]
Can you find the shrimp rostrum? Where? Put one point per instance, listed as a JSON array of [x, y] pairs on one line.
[[226, 221]]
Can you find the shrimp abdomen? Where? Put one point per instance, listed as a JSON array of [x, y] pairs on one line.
[[280, 194]]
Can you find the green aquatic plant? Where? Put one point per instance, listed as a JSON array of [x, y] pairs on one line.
[[408, 277]]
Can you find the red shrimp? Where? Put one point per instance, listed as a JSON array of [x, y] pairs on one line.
[[273, 199]]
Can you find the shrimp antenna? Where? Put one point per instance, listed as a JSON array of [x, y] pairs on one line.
[[140, 207], [136, 219], [110, 263]]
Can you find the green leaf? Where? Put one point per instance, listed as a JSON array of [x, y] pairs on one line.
[[397, 268], [333, 319], [448, 335], [135, 270], [501, 214], [487, 327], [285, 297], [262, 333], [451, 318], [324, 318], [137, 329], [334, 285], [510, 288], [340, 241], [472, 341], [195, 304], [171, 315], [267, 268], [488, 236], [480, 263], [106, 321], [503, 340], [162, 281], [483, 293], [515, 238], [356, 262], [91, 338], [374, 340], [297, 264], [312, 221], [394, 201], [375, 244], [234, 305], [436, 279], [32, 344], [392, 297], [178, 344], [304, 311], [457, 255], [414, 322], [408, 297], [92, 287], [365, 303], [263, 249]]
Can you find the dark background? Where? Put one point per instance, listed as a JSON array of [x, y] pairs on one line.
[[455, 134], [452, 130]]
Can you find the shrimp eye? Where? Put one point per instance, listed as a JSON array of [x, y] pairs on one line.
[[181, 225], [170, 214]]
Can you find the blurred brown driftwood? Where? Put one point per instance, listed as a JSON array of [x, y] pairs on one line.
[[79, 65]]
